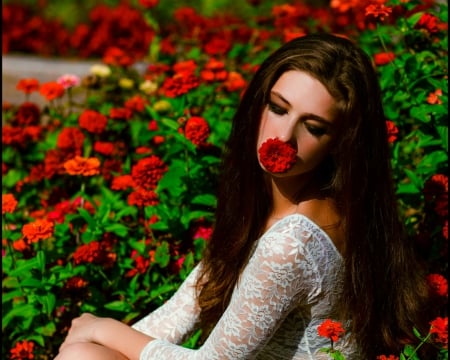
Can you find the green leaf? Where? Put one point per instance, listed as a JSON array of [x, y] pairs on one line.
[[21, 310], [188, 216], [32, 283], [443, 134], [118, 229], [172, 124], [421, 113], [24, 267], [47, 330], [118, 305], [162, 255], [205, 199], [409, 189], [87, 217]]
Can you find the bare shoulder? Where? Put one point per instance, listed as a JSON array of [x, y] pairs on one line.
[[323, 212]]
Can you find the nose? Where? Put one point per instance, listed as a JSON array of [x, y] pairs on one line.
[[287, 131]]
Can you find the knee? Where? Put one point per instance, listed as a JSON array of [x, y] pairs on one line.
[[88, 351], [74, 351]]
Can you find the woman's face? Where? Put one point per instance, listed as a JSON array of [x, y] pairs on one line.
[[302, 112]]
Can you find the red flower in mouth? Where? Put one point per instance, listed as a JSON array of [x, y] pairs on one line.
[[277, 156]]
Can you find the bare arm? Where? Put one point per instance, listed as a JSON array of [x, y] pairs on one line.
[[107, 332]]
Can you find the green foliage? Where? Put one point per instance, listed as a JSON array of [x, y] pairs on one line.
[[146, 249]]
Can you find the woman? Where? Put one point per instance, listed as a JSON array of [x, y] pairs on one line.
[[318, 237]]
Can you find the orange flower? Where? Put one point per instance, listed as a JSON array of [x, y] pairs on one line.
[[38, 230], [27, 85], [23, 350], [378, 11], [51, 90], [9, 203], [433, 97], [235, 81], [82, 166]]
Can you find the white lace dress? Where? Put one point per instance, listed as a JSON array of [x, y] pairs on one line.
[[287, 289]]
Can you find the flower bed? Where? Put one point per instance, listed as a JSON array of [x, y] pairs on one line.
[[109, 190]]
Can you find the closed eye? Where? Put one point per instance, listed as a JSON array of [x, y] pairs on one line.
[[279, 110], [316, 130]]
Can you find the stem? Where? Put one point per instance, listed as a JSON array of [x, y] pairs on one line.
[[403, 76], [100, 271], [419, 346], [8, 242]]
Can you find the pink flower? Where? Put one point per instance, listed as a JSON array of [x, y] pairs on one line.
[[68, 80], [277, 156]]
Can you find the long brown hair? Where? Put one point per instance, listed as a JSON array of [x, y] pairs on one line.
[[384, 290]]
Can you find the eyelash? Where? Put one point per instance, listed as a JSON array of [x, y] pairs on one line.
[[276, 109], [313, 130]]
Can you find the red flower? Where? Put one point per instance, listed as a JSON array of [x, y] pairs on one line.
[[378, 11], [148, 4], [141, 264], [439, 327], [330, 329], [218, 45], [436, 190], [104, 147], [28, 114], [136, 103], [22, 350], [83, 166], [185, 67], [51, 90], [75, 283], [438, 284], [117, 57], [38, 230], [142, 197], [120, 113], [13, 135], [389, 357], [28, 85], [148, 171], [214, 70], [392, 131], [93, 253], [196, 130], [277, 156], [9, 203], [428, 22], [70, 138], [179, 84], [122, 182], [93, 121], [383, 58]]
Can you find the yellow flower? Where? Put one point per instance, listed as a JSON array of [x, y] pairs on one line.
[[162, 106], [148, 87], [100, 70], [126, 83]]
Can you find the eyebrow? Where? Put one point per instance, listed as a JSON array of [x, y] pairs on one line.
[[307, 115]]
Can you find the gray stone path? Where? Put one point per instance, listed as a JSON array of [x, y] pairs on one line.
[[16, 67]]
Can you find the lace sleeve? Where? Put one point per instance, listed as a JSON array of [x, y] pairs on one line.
[[279, 276], [176, 319]]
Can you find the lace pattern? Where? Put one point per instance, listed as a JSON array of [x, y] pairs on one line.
[[286, 290]]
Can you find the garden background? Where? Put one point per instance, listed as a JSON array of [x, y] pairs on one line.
[[109, 165]]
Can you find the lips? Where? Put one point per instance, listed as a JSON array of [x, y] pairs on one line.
[[277, 156]]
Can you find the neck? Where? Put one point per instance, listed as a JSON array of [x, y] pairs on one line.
[[288, 192]]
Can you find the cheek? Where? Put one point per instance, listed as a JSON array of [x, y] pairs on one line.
[[311, 152]]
